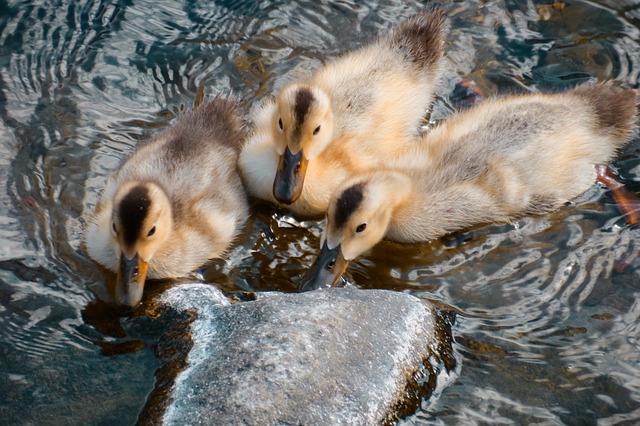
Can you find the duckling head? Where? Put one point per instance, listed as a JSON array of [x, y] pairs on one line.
[[141, 222], [357, 219], [302, 129]]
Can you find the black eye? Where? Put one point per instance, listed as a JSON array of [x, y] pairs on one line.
[[152, 231], [316, 130], [280, 123], [113, 225], [361, 228]]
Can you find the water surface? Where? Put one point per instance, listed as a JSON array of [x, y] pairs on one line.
[[547, 327]]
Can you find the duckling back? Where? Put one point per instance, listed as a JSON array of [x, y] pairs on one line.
[[575, 130], [381, 92]]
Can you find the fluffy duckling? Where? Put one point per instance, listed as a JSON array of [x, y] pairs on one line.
[[176, 202], [355, 110], [504, 158]]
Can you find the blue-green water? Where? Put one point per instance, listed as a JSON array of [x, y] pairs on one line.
[[548, 327]]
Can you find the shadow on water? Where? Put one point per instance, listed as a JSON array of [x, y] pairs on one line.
[[547, 311]]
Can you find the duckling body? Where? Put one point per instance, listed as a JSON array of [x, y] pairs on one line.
[[176, 202], [504, 158], [351, 113]]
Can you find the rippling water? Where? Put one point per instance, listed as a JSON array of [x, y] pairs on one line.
[[548, 314]]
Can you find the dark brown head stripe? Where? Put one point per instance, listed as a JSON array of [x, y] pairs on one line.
[[348, 202], [134, 208], [303, 101]]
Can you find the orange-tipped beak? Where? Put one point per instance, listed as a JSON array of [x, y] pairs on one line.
[[289, 180], [130, 281]]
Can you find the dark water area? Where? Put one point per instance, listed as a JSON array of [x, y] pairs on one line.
[[547, 328]]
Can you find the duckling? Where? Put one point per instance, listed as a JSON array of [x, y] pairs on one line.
[[345, 118], [175, 203], [506, 157]]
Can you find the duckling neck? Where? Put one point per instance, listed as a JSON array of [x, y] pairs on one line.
[[393, 191], [415, 216]]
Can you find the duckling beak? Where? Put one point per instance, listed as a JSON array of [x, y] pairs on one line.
[[130, 280], [287, 185], [326, 270]]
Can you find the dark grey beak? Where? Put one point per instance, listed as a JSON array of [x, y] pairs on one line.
[[326, 270], [287, 186], [130, 281]]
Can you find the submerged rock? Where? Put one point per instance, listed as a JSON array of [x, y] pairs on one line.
[[326, 357]]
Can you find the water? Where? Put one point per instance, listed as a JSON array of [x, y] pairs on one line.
[[547, 330]]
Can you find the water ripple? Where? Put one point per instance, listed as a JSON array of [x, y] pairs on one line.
[[548, 310]]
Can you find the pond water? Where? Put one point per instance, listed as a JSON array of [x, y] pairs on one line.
[[547, 328]]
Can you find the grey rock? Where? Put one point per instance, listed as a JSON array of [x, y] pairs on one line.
[[336, 356]]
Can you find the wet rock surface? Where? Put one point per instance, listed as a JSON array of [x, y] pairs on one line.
[[327, 357]]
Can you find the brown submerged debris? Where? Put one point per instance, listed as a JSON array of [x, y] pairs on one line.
[[120, 348], [628, 203], [621, 264], [466, 94], [603, 317], [545, 11]]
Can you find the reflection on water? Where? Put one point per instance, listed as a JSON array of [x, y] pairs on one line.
[[547, 330]]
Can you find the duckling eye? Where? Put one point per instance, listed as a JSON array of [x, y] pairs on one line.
[[113, 225], [316, 130], [361, 228], [152, 231], [280, 123]]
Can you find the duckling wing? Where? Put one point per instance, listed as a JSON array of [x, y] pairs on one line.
[[201, 174]]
